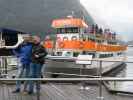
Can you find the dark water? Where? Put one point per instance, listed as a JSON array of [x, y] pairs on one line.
[[126, 72]]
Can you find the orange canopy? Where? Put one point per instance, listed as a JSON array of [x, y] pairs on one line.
[[68, 22]]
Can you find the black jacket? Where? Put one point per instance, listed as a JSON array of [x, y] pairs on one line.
[[38, 54]]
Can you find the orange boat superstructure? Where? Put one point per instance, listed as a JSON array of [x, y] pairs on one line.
[[69, 22], [72, 36]]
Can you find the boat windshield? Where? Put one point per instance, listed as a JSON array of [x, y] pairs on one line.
[[68, 30]]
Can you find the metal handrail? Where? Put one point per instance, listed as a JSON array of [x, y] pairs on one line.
[[94, 59], [68, 74], [68, 79], [100, 78]]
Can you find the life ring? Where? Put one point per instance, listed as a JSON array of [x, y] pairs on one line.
[[74, 38], [61, 45], [81, 45], [65, 38]]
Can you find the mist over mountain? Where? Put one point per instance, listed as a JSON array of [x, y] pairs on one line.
[[35, 16], [130, 42]]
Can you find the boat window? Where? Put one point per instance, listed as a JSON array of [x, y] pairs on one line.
[[93, 40], [59, 53], [58, 31], [93, 55], [119, 53], [63, 30], [105, 55], [65, 38], [111, 54], [68, 30], [83, 38], [68, 54], [75, 54], [85, 31], [84, 53], [102, 55], [75, 30], [88, 38]]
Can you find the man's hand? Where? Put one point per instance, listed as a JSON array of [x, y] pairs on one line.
[[37, 56], [4, 47]]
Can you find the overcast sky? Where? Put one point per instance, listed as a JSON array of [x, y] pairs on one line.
[[115, 14]]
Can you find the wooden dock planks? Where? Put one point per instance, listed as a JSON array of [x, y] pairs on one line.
[[58, 91]]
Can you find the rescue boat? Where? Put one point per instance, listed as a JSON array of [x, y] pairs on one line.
[[75, 37]]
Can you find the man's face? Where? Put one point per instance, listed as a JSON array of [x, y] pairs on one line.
[[27, 38], [36, 39]]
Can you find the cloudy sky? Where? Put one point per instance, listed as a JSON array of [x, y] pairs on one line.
[[114, 14]]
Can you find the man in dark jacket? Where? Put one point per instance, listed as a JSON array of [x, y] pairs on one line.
[[23, 53], [37, 62]]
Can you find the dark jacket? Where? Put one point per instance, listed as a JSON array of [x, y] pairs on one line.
[[23, 52], [38, 54]]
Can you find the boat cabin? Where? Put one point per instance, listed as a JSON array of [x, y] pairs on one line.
[[73, 36]]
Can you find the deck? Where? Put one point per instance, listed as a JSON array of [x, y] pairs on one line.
[[60, 91]]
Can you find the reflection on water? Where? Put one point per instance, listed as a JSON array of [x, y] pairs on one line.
[[127, 72]]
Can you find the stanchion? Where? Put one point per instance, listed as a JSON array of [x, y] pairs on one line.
[[83, 84], [100, 97], [81, 61], [38, 90], [5, 62], [0, 67], [4, 66]]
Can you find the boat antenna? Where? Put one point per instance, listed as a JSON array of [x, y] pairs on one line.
[[71, 15], [82, 15]]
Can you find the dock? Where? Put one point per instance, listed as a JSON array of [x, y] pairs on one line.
[[60, 91]]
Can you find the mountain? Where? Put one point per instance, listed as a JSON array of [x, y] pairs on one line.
[[130, 43], [35, 16]]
